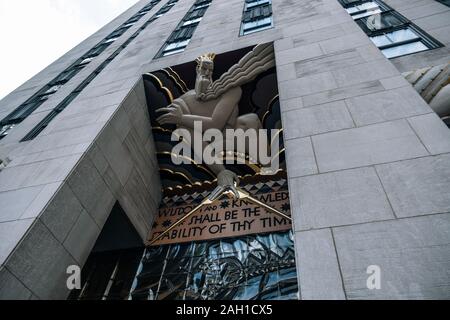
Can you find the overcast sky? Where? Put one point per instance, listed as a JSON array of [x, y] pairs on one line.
[[34, 33]]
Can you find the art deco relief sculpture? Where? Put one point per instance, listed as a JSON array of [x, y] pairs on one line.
[[216, 104], [433, 84]]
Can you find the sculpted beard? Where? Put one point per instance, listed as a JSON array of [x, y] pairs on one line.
[[204, 78]]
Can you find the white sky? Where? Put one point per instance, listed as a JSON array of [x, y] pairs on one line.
[[34, 33]]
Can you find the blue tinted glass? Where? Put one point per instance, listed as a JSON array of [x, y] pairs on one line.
[[404, 49]]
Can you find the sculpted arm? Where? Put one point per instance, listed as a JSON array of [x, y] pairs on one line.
[[221, 114]]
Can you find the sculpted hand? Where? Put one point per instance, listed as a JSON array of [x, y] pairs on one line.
[[201, 96], [173, 115], [226, 181]]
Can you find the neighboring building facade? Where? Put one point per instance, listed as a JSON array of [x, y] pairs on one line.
[[366, 161]]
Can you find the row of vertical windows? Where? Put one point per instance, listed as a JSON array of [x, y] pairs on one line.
[[257, 16], [180, 38], [29, 106], [391, 32], [62, 105]]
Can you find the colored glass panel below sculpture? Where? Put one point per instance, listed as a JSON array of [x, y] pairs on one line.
[[256, 267]]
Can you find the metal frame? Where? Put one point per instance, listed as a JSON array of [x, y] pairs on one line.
[[426, 39], [200, 6], [244, 32]]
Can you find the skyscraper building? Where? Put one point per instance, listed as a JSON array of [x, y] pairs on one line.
[[97, 202]]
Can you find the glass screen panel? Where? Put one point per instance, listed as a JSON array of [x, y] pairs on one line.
[[404, 49]]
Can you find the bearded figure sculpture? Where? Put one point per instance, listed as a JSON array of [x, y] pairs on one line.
[[216, 104]]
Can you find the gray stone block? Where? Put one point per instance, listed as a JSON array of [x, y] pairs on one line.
[[298, 54], [441, 34], [72, 121], [433, 133], [369, 71], [115, 153], [387, 105], [317, 265], [98, 159], [11, 288], [339, 16], [395, 82], [435, 21], [374, 144], [300, 157], [317, 119], [35, 174], [413, 255], [10, 235], [291, 104], [318, 35], [41, 201], [285, 43], [286, 72], [421, 10], [338, 198], [40, 263], [68, 137], [141, 158], [419, 186], [137, 203], [82, 237], [62, 213], [342, 93], [121, 123], [307, 85], [112, 181], [102, 100], [328, 62], [23, 157], [344, 42], [14, 203], [92, 191]]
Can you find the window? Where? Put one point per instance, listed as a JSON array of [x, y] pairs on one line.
[[193, 21], [446, 121], [68, 74], [97, 50], [381, 21], [110, 40], [399, 42], [350, 2], [175, 47], [200, 4], [445, 2], [391, 32], [4, 130], [257, 16], [195, 14], [250, 4], [52, 89], [86, 60], [181, 36], [257, 25], [365, 9]]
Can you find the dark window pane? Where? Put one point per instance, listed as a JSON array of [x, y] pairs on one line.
[[381, 21], [445, 2], [257, 13]]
